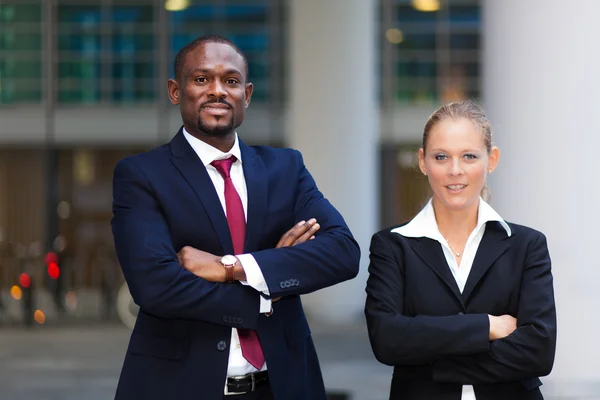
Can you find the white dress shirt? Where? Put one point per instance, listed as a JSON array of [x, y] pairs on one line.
[[237, 365], [425, 225]]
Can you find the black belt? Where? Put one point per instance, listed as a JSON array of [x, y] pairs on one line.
[[247, 383]]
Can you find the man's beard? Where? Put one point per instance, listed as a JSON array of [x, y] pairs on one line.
[[216, 131]]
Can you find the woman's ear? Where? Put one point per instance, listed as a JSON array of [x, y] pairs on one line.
[[493, 159], [422, 164]]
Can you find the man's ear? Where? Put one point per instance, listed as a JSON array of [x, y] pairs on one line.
[[174, 92], [249, 90]]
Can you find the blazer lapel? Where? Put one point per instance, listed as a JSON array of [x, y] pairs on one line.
[[430, 251], [493, 245], [256, 184], [189, 164]]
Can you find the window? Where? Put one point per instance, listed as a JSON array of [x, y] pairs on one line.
[[20, 52], [106, 53], [434, 55]]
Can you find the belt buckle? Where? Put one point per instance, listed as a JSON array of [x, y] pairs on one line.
[[228, 393], [252, 384]]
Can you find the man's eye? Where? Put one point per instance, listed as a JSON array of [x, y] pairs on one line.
[[200, 79], [232, 81]]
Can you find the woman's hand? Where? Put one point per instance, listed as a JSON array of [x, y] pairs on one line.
[[502, 326]]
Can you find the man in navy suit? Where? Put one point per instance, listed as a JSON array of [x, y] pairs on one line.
[[202, 232]]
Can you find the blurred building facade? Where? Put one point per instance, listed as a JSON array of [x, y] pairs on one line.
[[83, 84]]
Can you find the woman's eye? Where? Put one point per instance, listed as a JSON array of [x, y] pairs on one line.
[[470, 156], [441, 157]]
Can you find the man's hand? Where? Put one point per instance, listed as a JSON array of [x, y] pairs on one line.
[[300, 233], [202, 264], [502, 326]]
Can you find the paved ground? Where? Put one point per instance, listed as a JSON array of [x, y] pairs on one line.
[[83, 362]]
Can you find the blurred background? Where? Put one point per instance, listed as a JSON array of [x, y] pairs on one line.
[[350, 83]]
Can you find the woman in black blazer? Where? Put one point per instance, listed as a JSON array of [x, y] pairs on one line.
[[459, 301]]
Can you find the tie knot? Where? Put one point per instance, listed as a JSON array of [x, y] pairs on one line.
[[224, 166]]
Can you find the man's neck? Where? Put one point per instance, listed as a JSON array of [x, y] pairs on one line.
[[223, 143]]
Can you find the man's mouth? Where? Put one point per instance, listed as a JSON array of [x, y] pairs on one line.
[[216, 108]]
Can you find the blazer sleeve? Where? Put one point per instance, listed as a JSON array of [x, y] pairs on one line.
[[333, 257], [401, 340], [529, 350], [158, 283]]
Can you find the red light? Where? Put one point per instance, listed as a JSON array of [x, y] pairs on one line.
[[24, 280], [53, 270], [51, 257]]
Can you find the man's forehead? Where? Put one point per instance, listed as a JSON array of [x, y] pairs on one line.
[[213, 54]]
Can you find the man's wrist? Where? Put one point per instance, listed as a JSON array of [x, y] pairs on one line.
[[227, 263], [238, 271]]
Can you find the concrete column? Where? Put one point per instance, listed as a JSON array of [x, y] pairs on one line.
[[541, 88], [333, 121]]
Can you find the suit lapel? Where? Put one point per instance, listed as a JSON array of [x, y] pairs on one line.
[[256, 184], [430, 251], [189, 164], [492, 246]]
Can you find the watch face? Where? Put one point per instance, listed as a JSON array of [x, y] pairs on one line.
[[228, 260]]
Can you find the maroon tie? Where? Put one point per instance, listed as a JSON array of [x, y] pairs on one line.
[[251, 349]]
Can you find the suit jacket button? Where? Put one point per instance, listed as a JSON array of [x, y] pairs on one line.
[[282, 284], [221, 345], [239, 321], [461, 313]]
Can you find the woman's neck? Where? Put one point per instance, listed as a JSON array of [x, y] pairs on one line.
[[455, 223]]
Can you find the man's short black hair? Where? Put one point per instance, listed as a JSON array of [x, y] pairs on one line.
[[182, 54]]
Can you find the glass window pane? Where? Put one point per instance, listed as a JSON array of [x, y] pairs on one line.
[[133, 43], [20, 52], [465, 15], [464, 41], [408, 15], [435, 53], [79, 56], [106, 54]]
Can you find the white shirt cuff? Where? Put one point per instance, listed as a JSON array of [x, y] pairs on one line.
[[255, 279]]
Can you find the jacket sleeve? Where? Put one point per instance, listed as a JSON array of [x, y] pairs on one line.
[[158, 283], [333, 257], [529, 350], [401, 340]]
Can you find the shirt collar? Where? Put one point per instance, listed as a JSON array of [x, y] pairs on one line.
[[425, 225], [208, 153]]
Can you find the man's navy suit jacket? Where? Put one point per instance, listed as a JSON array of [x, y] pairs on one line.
[[164, 200]]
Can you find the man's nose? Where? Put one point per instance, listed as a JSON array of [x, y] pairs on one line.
[[217, 89]]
